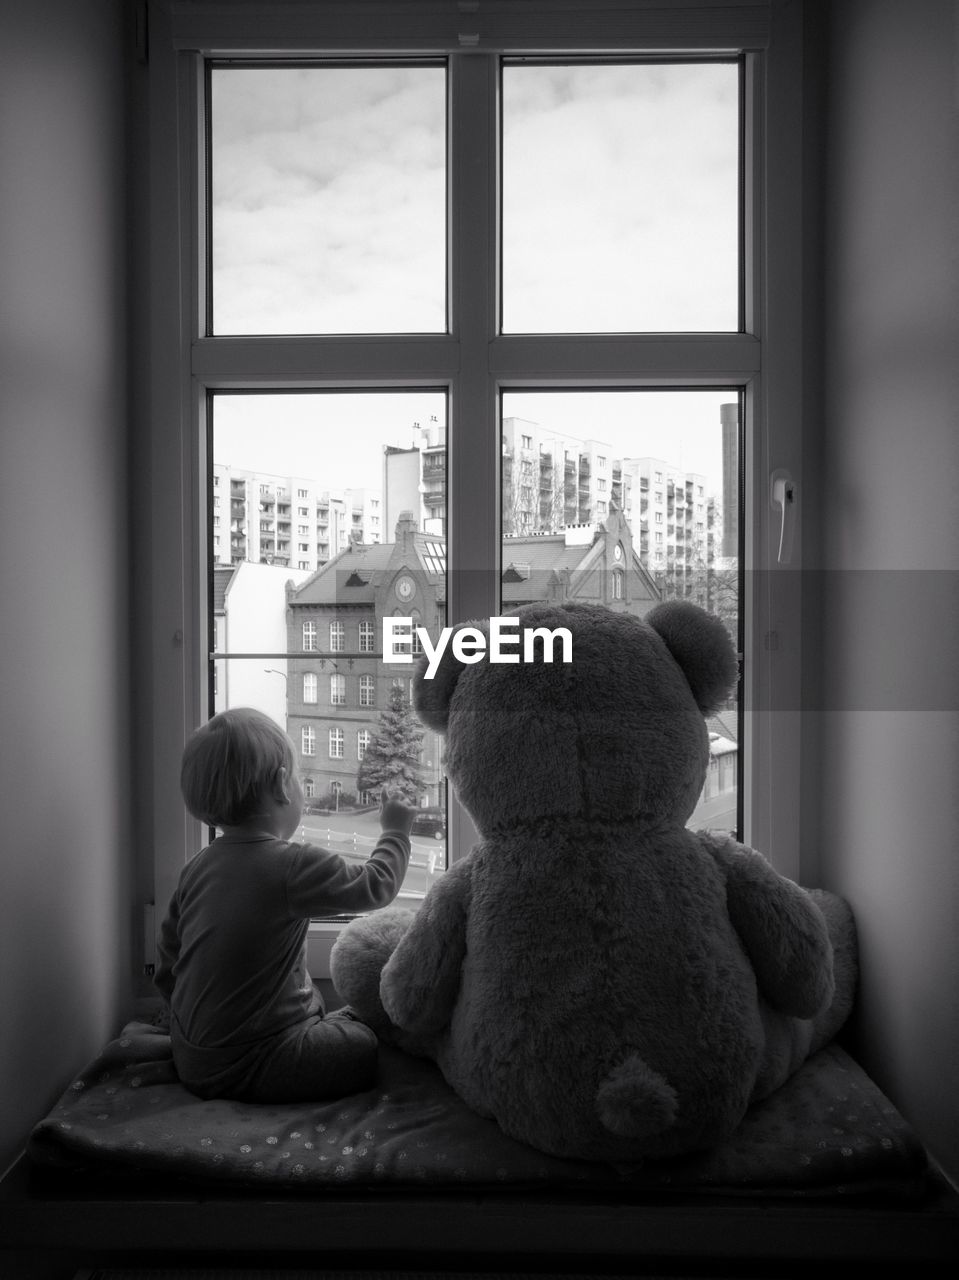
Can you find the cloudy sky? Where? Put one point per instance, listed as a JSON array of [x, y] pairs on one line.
[[620, 213]]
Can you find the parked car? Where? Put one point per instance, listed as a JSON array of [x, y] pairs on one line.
[[430, 822]]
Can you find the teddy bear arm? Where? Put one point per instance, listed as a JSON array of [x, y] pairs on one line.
[[783, 931], [421, 979]]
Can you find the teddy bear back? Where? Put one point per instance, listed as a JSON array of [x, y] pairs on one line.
[[615, 735]]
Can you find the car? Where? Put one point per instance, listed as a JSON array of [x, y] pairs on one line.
[[430, 822]]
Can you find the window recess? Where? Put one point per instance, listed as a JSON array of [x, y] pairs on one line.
[[467, 339]]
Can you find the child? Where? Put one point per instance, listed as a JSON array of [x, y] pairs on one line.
[[246, 1021]]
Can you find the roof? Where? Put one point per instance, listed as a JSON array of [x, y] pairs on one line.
[[222, 575], [355, 573], [535, 558], [725, 724]]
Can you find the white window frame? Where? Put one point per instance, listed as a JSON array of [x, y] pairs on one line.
[[337, 690], [473, 362], [337, 743], [311, 687], [307, 740]]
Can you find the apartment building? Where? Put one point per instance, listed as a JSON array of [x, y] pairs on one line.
[[414, 479], [552, 479], [287, 520]]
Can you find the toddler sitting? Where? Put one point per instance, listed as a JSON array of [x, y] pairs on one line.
[[246, 1021]]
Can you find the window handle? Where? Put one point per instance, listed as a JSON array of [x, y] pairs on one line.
[[783, 498]]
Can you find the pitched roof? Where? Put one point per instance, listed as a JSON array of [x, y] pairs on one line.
[[355, 573], [222, 575]]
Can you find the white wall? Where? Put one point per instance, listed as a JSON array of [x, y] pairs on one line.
[[65, 900], [888, 729], [255, 622]]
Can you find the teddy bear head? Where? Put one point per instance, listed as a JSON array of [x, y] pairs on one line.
[[615, 735]]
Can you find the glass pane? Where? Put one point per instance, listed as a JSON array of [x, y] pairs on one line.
[[621, 197], [328, 199], [652, 477], [328, 514]]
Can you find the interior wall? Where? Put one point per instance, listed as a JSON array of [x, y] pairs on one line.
[[886, 720], [65, 911]]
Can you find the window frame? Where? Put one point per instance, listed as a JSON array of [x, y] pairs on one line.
[[473, 363]]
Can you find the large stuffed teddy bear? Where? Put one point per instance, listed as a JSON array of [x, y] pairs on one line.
[[603, 982]]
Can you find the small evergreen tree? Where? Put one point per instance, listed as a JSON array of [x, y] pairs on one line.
[[392, 758]]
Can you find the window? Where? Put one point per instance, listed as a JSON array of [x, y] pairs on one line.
[[367, 691], [367, 637], [309, 686], [292, 346], [338, 690], [308, 740], [337, 739], [362, 742], [337, 637]]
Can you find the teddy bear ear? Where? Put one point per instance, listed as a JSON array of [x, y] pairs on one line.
[[701, 645], [431, 698]]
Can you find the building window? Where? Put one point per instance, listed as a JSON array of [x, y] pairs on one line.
[[362, 742], [309, 788], [309, 636], [337, 739], [308, 740], [337, 637], [309, 686], [367, 691], [367, 637], [338, 690]]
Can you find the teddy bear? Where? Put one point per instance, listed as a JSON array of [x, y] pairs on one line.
[[603, 982]]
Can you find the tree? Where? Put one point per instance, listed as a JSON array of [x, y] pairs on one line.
[[392, 758]]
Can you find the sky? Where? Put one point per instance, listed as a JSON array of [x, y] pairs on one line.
[[620, 187]]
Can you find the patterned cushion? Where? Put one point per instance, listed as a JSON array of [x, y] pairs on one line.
[[828, 1130]]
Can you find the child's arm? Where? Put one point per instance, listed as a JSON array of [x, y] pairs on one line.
[[321, 882], [167, 951]]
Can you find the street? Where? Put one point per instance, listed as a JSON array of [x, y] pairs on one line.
[[354, 836]]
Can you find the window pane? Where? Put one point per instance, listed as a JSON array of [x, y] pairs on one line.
[[328, 199], [621, 197], [652, 477], [365, 475]]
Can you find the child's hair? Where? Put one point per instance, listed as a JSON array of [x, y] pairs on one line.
[[230, 764]]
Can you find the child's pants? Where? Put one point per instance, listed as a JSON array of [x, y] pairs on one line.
[[321, 1057]]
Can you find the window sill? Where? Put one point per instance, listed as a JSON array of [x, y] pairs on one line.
[[323, 933]]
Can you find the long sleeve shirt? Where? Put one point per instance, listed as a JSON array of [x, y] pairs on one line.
[[232, 948]]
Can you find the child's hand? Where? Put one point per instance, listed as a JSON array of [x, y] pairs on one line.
[[395, 813]]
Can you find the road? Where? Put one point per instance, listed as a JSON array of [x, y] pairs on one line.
[[354, 836]]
